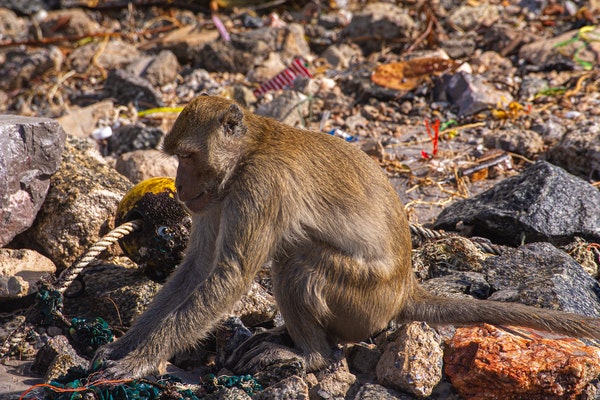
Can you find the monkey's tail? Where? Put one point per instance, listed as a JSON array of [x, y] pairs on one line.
[[439, 310]]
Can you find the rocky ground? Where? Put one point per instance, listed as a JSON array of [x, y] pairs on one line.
[[485, 115]]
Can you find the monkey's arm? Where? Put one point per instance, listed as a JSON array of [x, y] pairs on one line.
[[178, 319]]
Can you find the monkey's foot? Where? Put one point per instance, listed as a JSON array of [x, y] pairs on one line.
[[127, 368], [263, 349]]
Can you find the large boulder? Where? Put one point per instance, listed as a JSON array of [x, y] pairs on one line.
[[30, 153]]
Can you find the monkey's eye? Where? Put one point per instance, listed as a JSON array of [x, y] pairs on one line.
[[184, 155]]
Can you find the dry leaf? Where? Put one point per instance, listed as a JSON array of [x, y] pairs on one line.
[[407, 75]]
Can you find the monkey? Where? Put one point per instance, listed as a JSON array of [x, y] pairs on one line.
[[326, 216]]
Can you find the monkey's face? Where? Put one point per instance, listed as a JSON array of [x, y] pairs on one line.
[[197, 182], [206, 140]]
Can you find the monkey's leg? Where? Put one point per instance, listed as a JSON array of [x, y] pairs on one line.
[[327, 297], [299, 294]]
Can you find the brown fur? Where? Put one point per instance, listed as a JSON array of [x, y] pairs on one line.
[[326, 215]]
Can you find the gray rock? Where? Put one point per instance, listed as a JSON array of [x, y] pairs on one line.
[[56, 357], [30, 153], [12, 26], [128, 138], [71, 22], [222, 56], [539, 274], [340, 56], [515, 140], [290, 107], [543, 203], [27, 7], [469, 93], [114, 54], [292, 388], [80, 206], [459, 284], [19, 66], [117, 292], [24, 267], [140, 165], [562, 47], [372, 391], [251, 48], [467, 17], [578, 151], [333, 382], [380, 21], [129, 88], [162, 69], [413, 361], [459, 47]]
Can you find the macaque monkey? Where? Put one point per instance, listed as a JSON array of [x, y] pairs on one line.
[[327, 217]]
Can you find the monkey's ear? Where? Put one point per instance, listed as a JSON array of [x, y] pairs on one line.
[[232, 121]]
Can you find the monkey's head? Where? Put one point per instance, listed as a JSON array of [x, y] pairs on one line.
[[207, 138]]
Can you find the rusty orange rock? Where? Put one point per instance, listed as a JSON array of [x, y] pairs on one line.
[[488, 362]]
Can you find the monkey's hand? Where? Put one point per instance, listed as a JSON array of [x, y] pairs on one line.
[[112, 366], [117, 362]]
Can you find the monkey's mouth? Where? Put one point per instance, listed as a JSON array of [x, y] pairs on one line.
[[199, 202]]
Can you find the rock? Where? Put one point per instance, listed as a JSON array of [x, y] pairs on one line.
[[127, 138], [459, 284], [552, 130], [80, 205], [521, 141], [453, 253], [12, 26], [585, 255], [270, 67], [185, 42], [26, 266], [159, 69], [197, 81], [56, 357], [162, 69], [469, 93], [578, 151], [226, 393], [538, 274], [292, 388], [363, 357], [371, 391], [81, 121], [26, 7], [567, 45], [517, 209], [290, 107], [18, 67], [140, 165], [30, 153], [117, 292], [340, 56], [468, 17], [256, 307], [114, 54], [334, 383], [413, 361], [128, 88], [459, 47], [249, 49], [486, 362], [379, 21], [71, 22]]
